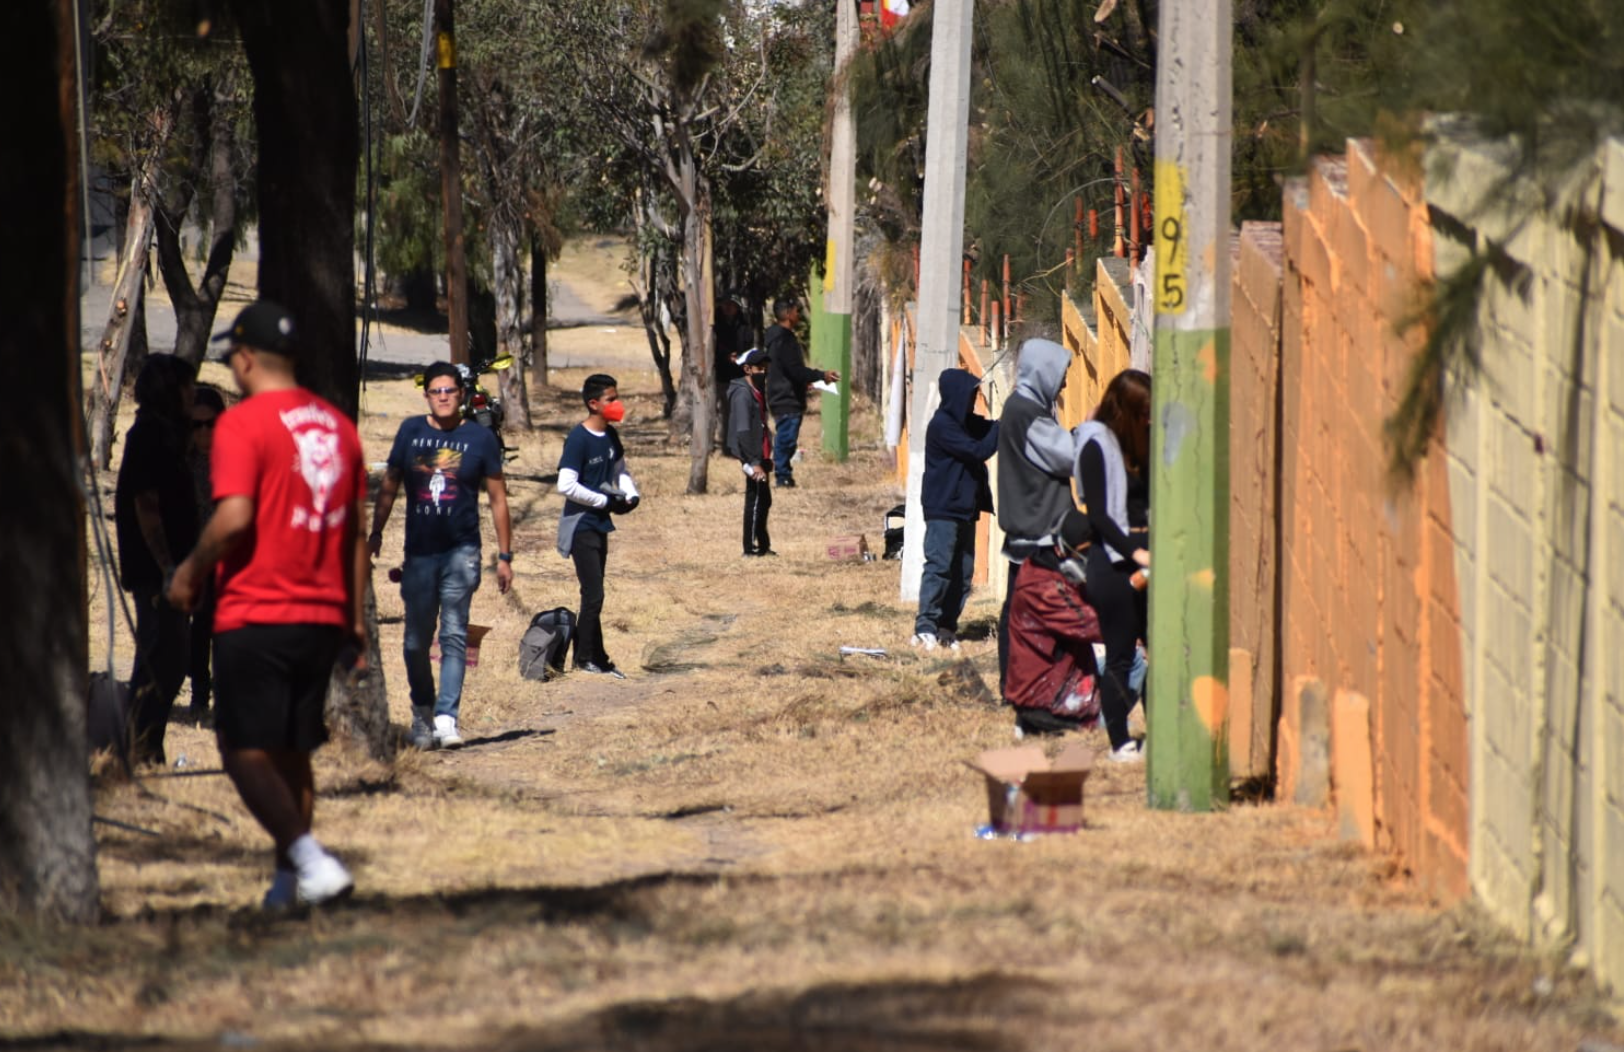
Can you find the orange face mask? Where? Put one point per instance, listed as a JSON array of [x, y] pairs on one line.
[[614, 412]]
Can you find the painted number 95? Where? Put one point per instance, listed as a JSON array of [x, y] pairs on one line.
[[1170, 259]]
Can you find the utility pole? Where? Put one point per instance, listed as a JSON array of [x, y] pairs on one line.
[[456, 261], [941, 253], [831, 327], [1188, 698]]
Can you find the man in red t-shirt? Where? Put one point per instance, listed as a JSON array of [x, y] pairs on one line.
[[288, 539]]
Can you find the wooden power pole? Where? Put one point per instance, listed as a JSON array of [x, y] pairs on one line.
[[1189, 587], [456, 261], [941, 252]]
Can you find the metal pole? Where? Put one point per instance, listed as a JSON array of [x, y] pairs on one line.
[[456, 262], [941, 253], [831, 328], [1189, 588]]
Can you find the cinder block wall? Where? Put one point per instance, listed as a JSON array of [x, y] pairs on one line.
[[1536, 478], [1366, 569]]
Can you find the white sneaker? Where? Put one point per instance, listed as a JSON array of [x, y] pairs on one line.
[[283, 892], [445, 733], [924, 641], [1130, 751], [422, 729], [324, 880]]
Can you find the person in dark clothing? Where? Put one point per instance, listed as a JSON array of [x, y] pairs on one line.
[[1035, 462], [1112, 463], [593, 480], [734, 336], [1052, 680], [748, 441], [207, 405], [954, 493], [788, 377], [155, 512]]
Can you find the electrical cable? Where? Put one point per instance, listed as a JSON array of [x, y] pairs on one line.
[[423, 59]]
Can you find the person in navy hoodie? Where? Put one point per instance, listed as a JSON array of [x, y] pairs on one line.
[[954, 493]]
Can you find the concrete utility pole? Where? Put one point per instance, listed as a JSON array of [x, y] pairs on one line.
[[1188, 697], [831, 327], [456, 261], [941, 252]]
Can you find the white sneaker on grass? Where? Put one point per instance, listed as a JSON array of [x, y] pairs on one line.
[[445, 732], [1130, 751], [323, 879], [422, 729], [924, 640]]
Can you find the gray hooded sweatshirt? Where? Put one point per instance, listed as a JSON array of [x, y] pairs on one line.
[[1034, 452]]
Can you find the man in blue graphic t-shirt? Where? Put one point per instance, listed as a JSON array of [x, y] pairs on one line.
[[443, 461], [593, 480]]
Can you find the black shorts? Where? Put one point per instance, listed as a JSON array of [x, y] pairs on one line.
[[270, 682]]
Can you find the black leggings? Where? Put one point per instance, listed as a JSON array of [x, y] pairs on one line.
[[590, 551], [1121, 608], [758, 501]]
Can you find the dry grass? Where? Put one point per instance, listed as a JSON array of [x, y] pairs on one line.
[[758, 845]]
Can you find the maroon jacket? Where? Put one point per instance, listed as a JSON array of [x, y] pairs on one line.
[[1052, 632]]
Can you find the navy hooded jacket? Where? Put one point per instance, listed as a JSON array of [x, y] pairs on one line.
[[957, 445]]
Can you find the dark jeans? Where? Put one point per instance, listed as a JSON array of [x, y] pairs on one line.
[[944, 587], [1003, 627], [590, 551], [786, 436], [438, 588], [1122, 609], [758, 501], [162, 642]]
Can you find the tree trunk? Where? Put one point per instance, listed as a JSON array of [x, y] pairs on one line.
[[114, 348], [698, 340], [508, 278], [304, 113], [47, 850], [196, 307], [538, 315]]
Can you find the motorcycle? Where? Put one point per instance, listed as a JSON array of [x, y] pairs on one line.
[[479, 405]]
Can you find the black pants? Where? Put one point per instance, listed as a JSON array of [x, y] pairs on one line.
[[1003, 626], [758, 501], [1122, 609], [202, 640], [589, 549], [162, 640]]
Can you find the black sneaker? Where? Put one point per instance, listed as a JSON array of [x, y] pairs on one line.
[[759, 552], [786, 483], [607, 668]]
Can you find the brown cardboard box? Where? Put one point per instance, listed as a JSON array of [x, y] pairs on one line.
[[476, 635], [1028, 794], [852, 547]]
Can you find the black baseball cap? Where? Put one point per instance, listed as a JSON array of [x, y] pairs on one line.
[[754, 356], [264, 326]]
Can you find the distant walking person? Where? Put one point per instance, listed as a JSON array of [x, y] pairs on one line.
[[788, 377], [1034, 466], [595, 484], [747, 440], [290, 499], [1112, 468], [155, 512], [207, 405], [445, 461], [954, 493]]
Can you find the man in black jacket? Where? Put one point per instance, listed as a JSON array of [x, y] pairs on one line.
[[788, 377], [954, 493]]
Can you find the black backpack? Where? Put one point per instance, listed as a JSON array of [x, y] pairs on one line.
[[545, 642]]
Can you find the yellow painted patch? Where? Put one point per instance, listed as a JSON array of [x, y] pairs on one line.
[[1211, 697], [1204, 578], [1172, 240], [829, 266], [1208, 358]]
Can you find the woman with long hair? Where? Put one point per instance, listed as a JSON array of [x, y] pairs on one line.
[[1113, 476], [155, 511]]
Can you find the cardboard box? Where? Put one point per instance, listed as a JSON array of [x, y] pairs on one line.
[[851, 548], [1027, 794], [476, 635]]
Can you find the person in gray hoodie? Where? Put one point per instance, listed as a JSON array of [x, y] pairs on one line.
[[1035, 460]]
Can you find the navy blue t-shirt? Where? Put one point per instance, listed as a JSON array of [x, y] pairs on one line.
[[593, 458], [442, 473]]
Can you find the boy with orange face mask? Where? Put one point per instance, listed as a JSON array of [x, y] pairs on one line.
[[593, 480]]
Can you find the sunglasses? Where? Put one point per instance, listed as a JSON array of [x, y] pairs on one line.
[[444, 391]]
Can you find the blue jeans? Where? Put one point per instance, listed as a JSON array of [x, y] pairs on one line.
[[786, 436], [944, 587], [438, 587]]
